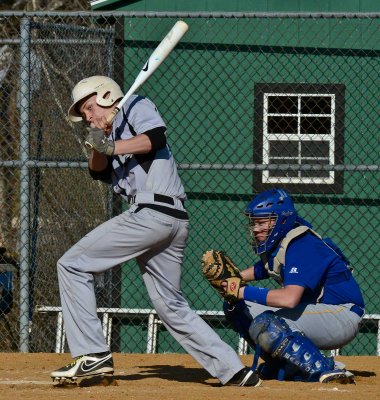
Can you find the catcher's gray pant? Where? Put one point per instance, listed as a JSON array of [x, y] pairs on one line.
[[327, 326], [157, 241]]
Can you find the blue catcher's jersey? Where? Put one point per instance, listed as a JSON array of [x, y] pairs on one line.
[[314, 265]]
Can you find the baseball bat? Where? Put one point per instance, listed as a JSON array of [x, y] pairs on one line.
[[158, 56], [166, 45]]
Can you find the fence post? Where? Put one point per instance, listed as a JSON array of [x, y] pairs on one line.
[[24, 183]]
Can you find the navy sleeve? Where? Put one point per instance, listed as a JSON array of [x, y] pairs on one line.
[[157, 137], [104, 175], [260, 271]]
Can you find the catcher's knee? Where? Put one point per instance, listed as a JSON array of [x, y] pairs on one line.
[[274, 336], [269, 331]]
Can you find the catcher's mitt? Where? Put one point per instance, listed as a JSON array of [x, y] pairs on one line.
[[217, 268]]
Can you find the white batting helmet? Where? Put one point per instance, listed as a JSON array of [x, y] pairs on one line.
[[106, 89]]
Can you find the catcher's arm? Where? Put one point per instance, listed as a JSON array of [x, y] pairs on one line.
[[248, 274], [223, 274]]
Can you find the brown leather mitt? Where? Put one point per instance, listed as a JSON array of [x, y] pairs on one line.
[[217, 268]]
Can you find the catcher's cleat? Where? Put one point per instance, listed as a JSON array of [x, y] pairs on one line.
[[337, 376], [84, 366], [245, 377]]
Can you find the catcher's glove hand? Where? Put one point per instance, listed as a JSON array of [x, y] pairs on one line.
[[217, 268]]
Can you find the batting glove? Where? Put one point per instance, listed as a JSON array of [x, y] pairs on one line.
[[97, 140]]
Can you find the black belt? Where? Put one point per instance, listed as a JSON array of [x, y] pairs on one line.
[[357, 310], [173, 212], [157, 197]]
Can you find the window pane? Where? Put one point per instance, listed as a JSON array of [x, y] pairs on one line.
[[282, 124], [287, 173], [312, 125], [315, 149], [282, 105], [316, 105], [283, 148], [318, 173]]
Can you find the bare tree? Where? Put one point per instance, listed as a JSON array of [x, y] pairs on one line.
[[45, 5]]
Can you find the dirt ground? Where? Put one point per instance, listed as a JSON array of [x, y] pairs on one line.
[[171, 376]]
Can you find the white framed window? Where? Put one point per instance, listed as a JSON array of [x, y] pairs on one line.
[[298, 129], [297, 126]]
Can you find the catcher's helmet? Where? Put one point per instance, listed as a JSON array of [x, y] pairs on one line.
[[275, 204], [106, 89]]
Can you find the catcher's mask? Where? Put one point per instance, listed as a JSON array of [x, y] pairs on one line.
[[276, 208], [106, 89]]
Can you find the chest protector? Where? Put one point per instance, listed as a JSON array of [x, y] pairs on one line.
[[274, 270]]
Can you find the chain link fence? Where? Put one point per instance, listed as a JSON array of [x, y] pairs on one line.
[[250, 101]]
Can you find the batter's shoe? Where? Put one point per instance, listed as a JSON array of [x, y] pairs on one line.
[[84, 366], [245, 377], [337, 376]]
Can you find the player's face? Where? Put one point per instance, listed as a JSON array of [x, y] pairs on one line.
[[91, 111], [262, 228]]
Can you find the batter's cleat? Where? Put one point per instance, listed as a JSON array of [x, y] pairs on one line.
[[245, 377], [88, 365], [337, 376]]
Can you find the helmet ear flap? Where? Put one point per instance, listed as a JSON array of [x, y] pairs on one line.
[[108, 95], [283, 220], [103, 97]]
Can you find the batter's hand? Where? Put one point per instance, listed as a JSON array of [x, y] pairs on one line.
[[102, 123], [97, 140]]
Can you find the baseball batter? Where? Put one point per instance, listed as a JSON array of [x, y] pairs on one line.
[[318, 307], [133, 155]]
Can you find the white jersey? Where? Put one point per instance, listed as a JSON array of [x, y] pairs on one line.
[[155, 172]]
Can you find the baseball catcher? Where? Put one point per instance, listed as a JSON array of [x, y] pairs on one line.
[[318, 306], [223, 274]]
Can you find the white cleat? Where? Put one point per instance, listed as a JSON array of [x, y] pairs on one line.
[[84, 366]]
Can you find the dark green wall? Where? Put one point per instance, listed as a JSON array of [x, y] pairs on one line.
[[214, 71], [215, 68], [244, 5]]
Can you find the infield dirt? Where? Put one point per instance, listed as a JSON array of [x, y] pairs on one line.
[[171, 376]]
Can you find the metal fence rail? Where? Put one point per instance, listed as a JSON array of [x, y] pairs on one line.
[[251, 100]]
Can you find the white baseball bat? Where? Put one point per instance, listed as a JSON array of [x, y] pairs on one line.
[[158, 56], [166, 45]]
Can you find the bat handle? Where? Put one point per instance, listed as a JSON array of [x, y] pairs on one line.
[[111, 117]]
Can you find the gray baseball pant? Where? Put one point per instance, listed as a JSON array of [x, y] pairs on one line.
[[327, 326], [157, 241]]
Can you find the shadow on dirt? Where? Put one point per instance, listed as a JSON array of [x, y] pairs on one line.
[[364, 374], [180, 373], [177, 373]]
